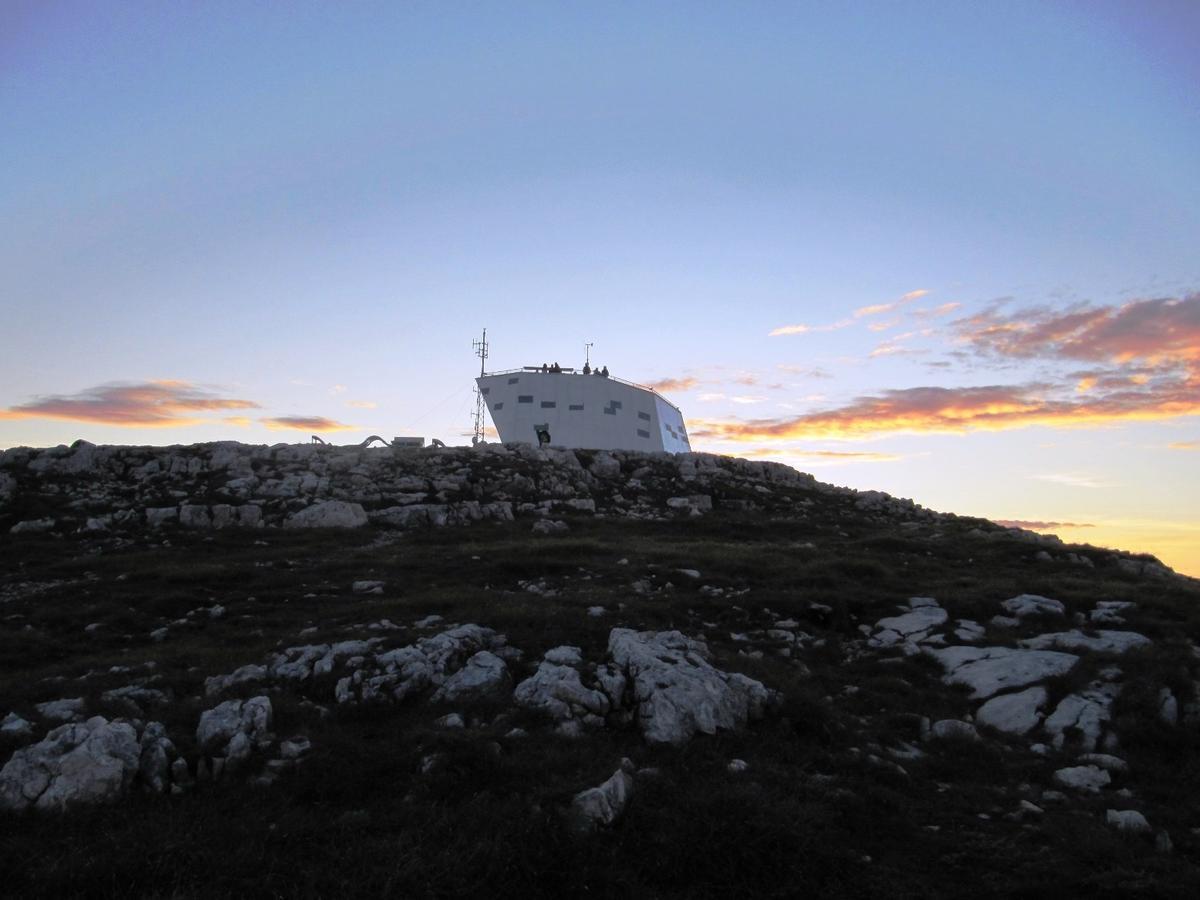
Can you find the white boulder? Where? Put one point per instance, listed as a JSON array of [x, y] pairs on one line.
[[677, 691], [603, 805], [83, 763]]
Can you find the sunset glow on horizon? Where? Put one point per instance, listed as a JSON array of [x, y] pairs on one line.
[[947, 251]]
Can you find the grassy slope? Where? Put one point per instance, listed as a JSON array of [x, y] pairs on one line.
[[359, 819]]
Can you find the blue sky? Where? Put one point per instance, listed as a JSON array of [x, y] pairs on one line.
[[314, 209]]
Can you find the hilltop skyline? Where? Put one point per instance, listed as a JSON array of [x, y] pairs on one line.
[[947, 252]]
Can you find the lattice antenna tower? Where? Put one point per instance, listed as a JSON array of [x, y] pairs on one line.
[[481, 350]]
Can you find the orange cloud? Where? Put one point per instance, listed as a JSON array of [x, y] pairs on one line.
[[362, 404], [960, 410], [1184, 445], [239, 421], [305, 423], [828, 456], [153, 404], [674, 384], [1157, 332]]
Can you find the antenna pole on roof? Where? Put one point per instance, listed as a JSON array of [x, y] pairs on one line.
[[587, 353], [481, 350]]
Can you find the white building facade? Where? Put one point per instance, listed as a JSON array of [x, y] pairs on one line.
[[581, 411]]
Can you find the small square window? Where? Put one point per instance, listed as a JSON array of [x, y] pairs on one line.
[[485, 391], [525, 398], [513, 380], [548, 404], [643, 433], [644, 416], [576, 407], [609, 411], [498, 406]]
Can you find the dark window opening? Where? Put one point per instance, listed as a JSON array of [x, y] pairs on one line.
[[548, 404], [498, 406], [525, 398], [513, 380], [645, 416], [576, 407], [643, 433]]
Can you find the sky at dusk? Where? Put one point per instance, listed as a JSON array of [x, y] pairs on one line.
[[946, 250]]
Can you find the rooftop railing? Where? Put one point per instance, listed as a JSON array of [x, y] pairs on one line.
[[565, 370]]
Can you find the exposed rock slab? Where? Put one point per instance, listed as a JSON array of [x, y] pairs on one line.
[[1101, 642], [989, 670], [1017, 713]]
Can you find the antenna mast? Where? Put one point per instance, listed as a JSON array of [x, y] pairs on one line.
[[481, 350]]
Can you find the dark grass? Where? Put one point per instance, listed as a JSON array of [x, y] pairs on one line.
[[810, 817]]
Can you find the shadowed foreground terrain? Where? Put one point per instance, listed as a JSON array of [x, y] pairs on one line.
[[878, 765]]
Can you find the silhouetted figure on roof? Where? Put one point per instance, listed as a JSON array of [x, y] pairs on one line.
[[587, 370], [604, 372], [545, 368]]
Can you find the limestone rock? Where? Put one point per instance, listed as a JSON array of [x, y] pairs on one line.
[[1127, 820], [484, 674], [84, 763], [191, 516], [231, 729], [1089, 779], [558, 691], [602, 805], [1017, 713], [1086, 714], [14, 726], [911, 626], [564, 656], [218, 684], [677, 691], [989, 670], [954, 730], [32, 526], [1108, 612], [61, 710], [1026, 605], [328, 514], [1101, 642]]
